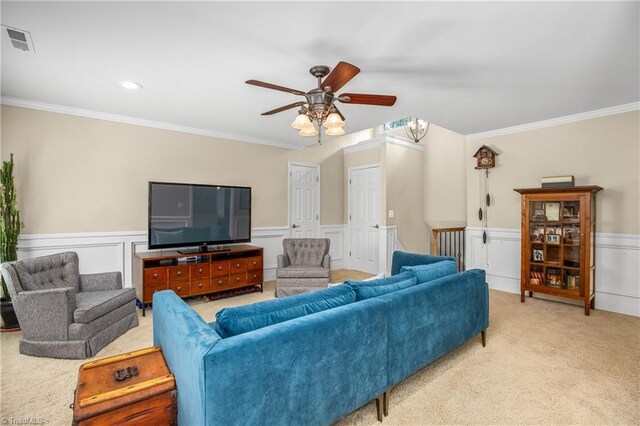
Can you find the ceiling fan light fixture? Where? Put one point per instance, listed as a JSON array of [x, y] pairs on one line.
[[334, 131], [302, 121], [333, 121], [308, 131]]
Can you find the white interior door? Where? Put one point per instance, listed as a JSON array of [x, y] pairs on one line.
[[304, 200], [364, 218]]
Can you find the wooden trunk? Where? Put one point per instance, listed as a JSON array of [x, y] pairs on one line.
[[146, 395]]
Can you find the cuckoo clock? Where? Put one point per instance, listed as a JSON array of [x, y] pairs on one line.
[[485, 157]]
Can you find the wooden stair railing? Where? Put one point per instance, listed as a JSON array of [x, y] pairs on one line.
[[449, 242]]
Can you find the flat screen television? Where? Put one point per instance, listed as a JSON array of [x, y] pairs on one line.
[[189, 215]]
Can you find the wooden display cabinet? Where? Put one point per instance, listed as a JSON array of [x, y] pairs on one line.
[[239, 267], [558, 242]]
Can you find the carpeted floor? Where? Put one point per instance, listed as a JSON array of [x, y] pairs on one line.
[[545, 363]]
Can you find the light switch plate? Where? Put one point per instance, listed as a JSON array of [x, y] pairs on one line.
[[391, 214]]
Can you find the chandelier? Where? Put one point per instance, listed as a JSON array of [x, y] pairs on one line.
[[416, 128]]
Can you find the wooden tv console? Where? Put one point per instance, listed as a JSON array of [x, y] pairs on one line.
[[213, 272]]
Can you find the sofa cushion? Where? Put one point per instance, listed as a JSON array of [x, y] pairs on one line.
[[242, 319], [303, 272], [94, 304], [424, 273], [54, 271], [306, 251], [402, 258], [374, 288]]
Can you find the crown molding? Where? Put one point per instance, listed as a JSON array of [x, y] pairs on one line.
[[80, 112], [634, 106], [403, 142], [379, 141]]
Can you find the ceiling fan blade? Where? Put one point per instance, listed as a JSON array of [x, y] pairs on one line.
[[341, 74], [275, 87], [361, 98], [283, 108]]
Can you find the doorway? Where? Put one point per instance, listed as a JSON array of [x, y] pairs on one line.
[[364, 217], [304, 200]]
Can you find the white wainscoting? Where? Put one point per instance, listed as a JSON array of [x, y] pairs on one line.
[[337, 234], [113, 251], [388, 244], [617, 266]]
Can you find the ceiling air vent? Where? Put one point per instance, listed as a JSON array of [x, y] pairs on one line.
[[20, 39]]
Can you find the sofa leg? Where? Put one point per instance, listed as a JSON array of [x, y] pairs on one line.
[[387, 395], [484, 338], [380, 405]]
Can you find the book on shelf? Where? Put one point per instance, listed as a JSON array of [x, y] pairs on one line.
[[555, 179]]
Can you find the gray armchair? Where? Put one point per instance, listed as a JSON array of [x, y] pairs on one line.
[[64, 314], [304, 266]]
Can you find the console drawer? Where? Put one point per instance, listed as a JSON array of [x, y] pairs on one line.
[[254, 263], [238, 280], [219, 283], [155, 276], [150, 289], [254, 277], [219, 269], [238, 265], [182, 289], [201, 286], [179, 273], [199, 271]]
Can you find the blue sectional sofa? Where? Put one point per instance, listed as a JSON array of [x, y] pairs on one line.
[[313, 358]]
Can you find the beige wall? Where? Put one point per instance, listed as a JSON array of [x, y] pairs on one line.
[[602, 151], [76, 174], [445, 179], [404, 195]]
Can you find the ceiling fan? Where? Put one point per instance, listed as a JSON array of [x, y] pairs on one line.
[[319, 109]]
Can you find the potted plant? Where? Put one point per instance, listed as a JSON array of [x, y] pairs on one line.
[[9, 230]]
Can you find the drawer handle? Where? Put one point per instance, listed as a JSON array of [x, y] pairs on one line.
[[179, 288], [220, 282], [255, 276], [255, 263], [155, 291], [200, 285], [179, 273], [200, 270], [219, 268], [237, 265], [156, 276], [238, 279]]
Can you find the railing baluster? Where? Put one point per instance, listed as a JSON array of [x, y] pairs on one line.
[[450, 242]]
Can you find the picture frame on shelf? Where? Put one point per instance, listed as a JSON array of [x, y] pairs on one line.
[[571, 235], [538, 215], [553, 278], [553, 239], [569, 213], [538, 255], [552, 211]]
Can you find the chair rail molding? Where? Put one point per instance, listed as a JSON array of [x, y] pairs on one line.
[[617, 259], [114, 251]]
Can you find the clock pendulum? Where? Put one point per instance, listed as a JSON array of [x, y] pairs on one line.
[[485, 160]]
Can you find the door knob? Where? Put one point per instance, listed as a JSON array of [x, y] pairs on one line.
[[376, 226], [295, 226]]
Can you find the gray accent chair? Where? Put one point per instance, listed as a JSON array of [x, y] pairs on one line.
[[304, 266], [65, 314]]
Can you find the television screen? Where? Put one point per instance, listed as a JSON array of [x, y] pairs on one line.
[[182, 215]]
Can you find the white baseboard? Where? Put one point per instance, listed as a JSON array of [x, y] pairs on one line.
[[114, 251], [617, 260]]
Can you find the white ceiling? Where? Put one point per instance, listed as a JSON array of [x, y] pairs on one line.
[[469, 67]]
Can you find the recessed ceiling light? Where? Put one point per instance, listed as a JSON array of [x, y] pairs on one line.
[[131, 85]]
